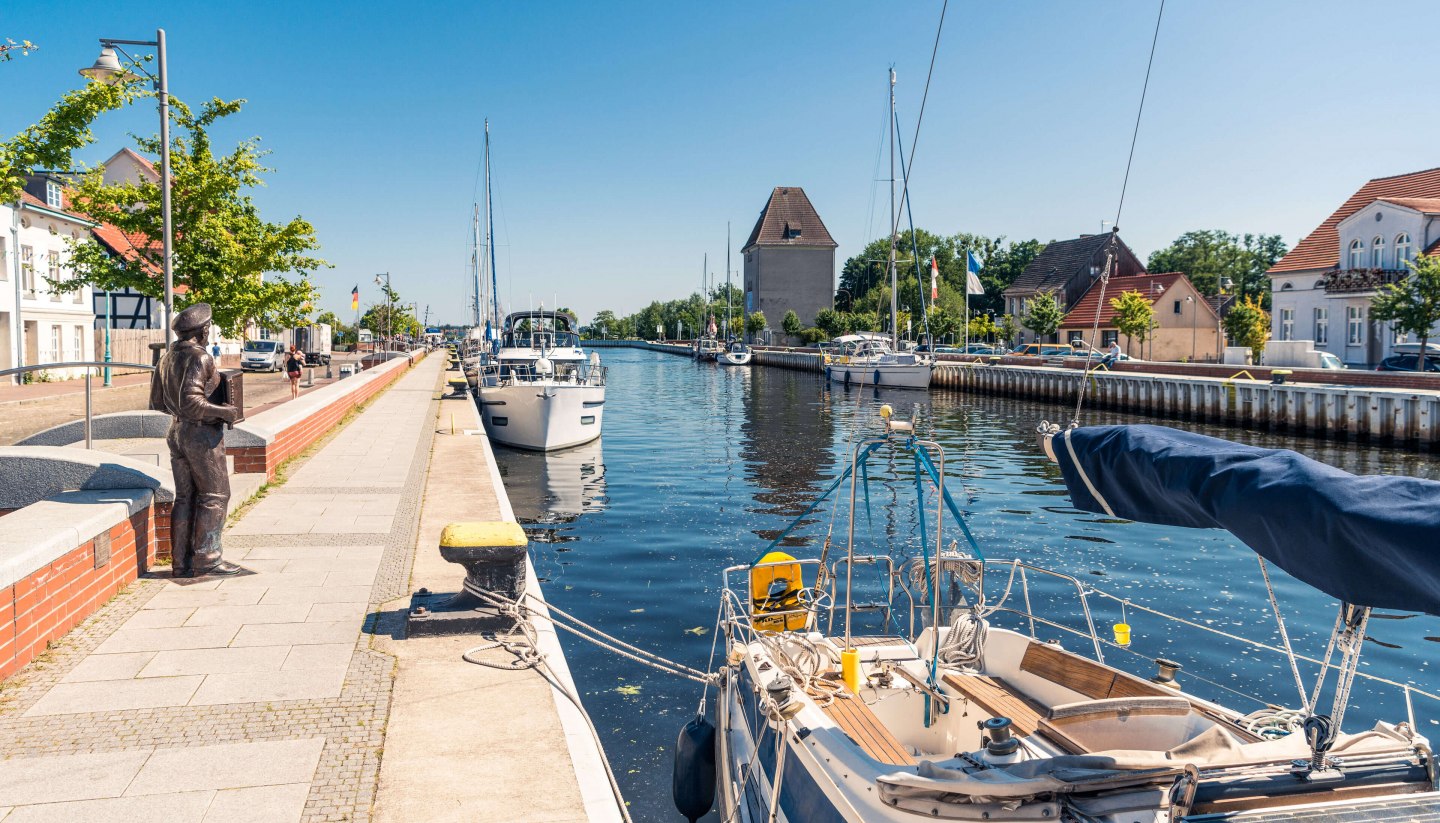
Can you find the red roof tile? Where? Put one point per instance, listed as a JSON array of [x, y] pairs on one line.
[[1434, 248], [1428, 205], [1321, 248], [32, 200], [126, 244], [1150, 285], [788, 219]]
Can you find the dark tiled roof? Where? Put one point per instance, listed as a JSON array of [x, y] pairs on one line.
[[1058, 262], [1150, 285], [1321, 248], [788, 219]]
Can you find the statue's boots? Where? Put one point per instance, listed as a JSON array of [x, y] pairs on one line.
[[202, 492]]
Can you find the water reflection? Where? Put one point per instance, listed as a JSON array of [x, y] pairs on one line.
[[549, 490]]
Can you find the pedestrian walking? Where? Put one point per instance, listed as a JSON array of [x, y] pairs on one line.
[[294, 362]]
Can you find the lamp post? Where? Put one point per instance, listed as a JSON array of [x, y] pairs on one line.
[[1194, 324], [107, 69], [389, 306]]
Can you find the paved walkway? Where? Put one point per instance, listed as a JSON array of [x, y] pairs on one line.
[[254, 698]]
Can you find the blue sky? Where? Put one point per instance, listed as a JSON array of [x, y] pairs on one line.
[[626, 134]]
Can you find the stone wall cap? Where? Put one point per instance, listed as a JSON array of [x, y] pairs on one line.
[[43, 532], [29, 474]]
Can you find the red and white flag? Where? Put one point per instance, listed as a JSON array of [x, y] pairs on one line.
[[934, 279]]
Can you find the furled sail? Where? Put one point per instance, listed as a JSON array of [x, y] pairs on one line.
[[1367, 540]]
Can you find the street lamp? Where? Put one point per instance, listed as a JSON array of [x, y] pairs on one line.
[[107, 69], [389, 306]]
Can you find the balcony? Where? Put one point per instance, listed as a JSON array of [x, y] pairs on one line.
[[1353, 281]]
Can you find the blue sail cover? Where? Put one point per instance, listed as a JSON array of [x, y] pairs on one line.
[[1370, 541]]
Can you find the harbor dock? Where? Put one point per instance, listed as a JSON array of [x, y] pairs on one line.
[[290, 692]]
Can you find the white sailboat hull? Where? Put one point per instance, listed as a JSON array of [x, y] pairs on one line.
[[730, 358], [542, 416], [892, 375]]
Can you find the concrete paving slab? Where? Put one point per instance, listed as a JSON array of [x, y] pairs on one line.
[[349, 578], [271, 686], [186, 597], [318, 656], [216, 661], [318, 594], [29, 780], [183, 807], [287, 552], [229, 766], [108, 667], [261, 804], [273, 580], [160, 618], [332, 564], [156, 640], [115, 695], [295, 634], [333, 612], [247, 615]]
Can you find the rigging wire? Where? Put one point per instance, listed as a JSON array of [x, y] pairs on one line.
[[1135, 135]]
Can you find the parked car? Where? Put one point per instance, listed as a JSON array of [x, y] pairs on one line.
[[262, 355], [1044, 350], [1406, 362]]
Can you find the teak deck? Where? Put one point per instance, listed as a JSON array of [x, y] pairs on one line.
[[994, 696], [861, 724]]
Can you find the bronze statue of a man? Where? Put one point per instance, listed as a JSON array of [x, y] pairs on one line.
[[183, 385]]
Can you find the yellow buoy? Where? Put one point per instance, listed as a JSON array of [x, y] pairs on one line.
[[886, 411]]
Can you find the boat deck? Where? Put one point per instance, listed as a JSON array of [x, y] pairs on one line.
[[1423, 808]]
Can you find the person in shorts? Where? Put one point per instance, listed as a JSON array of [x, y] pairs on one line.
[[294, 363]]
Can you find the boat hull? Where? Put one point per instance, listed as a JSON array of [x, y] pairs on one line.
[[542, 416], [733, 359], [895, 376]]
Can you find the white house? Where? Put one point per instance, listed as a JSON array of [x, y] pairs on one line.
[[43, 324], [1321, 290]]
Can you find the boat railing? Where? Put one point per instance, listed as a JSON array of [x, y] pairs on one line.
[[815, 604], [1084, 592], [582, 373]]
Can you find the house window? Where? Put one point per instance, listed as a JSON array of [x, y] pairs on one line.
[[1287, 324], [55, 354], [1177, 307], [53, 198], [1354, 325], [1357, 254], [1377, 253], [4, 260], [78, 340], [52, 270], [1322, 326], [1402, 249], [1108, 336], [27, 270]]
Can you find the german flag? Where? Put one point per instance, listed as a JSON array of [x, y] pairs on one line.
[[355, 298]]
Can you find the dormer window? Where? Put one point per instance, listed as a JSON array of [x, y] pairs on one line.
[[792, 231], [1377, 252], [53, 197], [1357, 254]]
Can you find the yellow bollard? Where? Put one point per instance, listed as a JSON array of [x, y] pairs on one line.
[[850, 669]]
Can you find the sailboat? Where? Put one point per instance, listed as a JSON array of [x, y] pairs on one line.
[[706, 347], [869, 359], [736, 353], [973, 716]]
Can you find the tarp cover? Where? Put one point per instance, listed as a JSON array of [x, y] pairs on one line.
[[1371, 541]]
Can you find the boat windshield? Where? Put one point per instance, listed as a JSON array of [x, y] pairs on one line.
[[541, 331]]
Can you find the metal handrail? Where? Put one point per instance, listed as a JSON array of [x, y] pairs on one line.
[[87, 365]]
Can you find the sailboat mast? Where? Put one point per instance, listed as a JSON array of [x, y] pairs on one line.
[[475, 261], [894, 223], [729, 316], [490, 233]]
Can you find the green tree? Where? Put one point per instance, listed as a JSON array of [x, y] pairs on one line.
[[791, 323], [224, 252], [755, 322], [1001, 267], [1134, 317], [606, 324], [1412, 306], [831, 322], [393, 319], [340, 333], [51, 143], [1247, 324], [1209, 257], [982, 327], [1005, 329], [1044, 314]]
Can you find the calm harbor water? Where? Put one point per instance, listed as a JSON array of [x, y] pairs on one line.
[[700, 467]]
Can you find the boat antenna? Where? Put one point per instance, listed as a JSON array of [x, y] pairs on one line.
[[1112, 246]]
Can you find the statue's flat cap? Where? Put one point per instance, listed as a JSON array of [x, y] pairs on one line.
[[191, 318]]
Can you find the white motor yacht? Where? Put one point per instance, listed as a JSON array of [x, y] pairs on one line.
[[541, 392]]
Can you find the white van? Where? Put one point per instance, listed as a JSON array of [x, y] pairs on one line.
[[262, 355], [1298, 354]]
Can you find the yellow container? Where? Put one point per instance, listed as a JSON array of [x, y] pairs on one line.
[[850, 669], [1122, 634]]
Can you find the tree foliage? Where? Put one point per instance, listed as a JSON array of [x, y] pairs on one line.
[[393, 319], [224, 252], [1248, 324], [755, 322], [1209, 257], [1134, 317], [791, 323], [51, 143], [862, 274], [1412, 306], [1044, 314]]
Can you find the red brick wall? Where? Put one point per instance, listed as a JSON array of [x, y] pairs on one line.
[[43, 606], [300, 436]]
